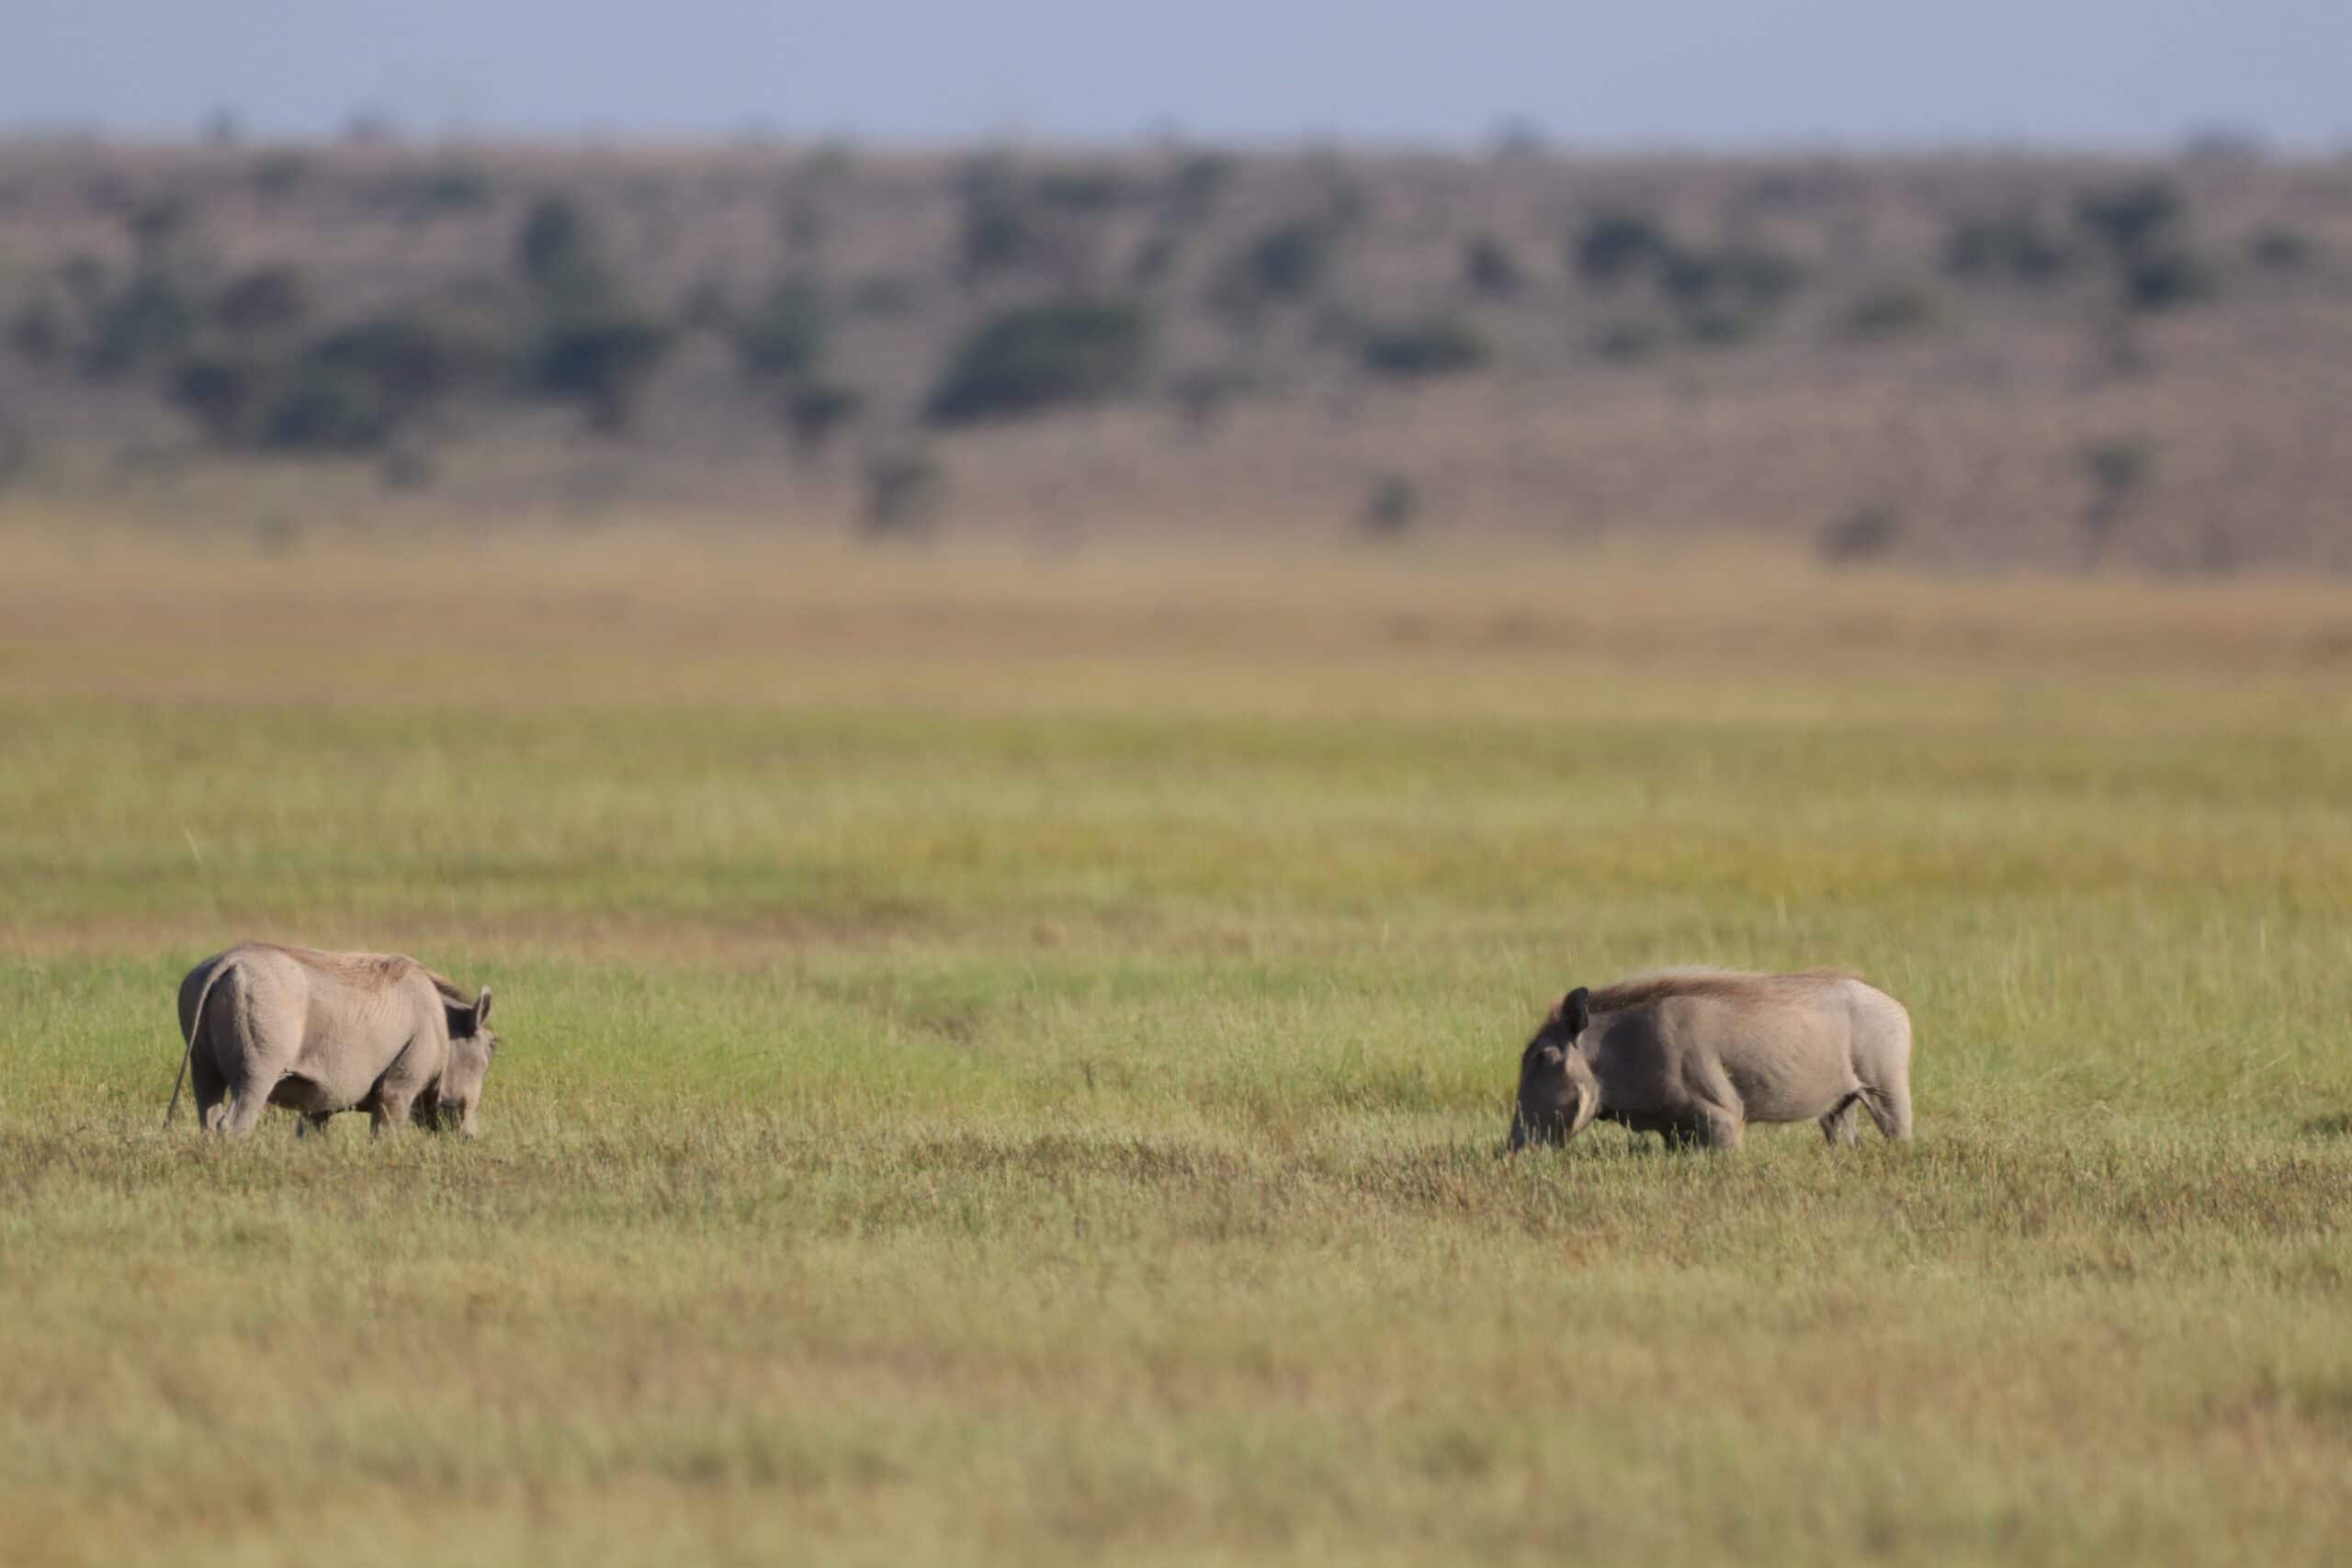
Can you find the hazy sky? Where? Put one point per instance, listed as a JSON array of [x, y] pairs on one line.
[[1860, 73]]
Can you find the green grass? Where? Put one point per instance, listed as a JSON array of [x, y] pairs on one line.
[[1041, 1137]]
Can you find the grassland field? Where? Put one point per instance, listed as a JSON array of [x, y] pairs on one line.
[[1005, 1059]]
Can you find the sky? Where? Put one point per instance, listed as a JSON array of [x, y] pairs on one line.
[[1858, 74]]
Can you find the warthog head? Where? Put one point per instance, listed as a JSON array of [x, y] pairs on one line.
[[1558, 1093], [449, 1105]]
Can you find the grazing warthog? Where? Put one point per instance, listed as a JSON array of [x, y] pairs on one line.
[[319, 1033], [1698, 1053]]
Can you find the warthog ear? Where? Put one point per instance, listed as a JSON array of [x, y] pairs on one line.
[[1575, 1012], [481, 1010]]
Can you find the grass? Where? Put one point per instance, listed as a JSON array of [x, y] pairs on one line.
[[1005, 1062]]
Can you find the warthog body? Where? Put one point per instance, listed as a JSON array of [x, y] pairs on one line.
[[1698, 1053], [319, 1033]]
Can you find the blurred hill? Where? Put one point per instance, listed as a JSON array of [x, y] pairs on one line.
[[1948, 361]]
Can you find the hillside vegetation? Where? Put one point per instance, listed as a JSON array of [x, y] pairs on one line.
[[1942, 360]]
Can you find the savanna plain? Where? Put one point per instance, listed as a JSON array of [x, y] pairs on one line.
[[1005, 1058]]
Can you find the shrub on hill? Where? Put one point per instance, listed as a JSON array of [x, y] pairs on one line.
[[2282, 248], [1440, 344], [599, 355], [1042, 357], [318, 408], [1488, 268], [265, 299], [1893, 310], [906, 492], [410, 356], [815, 412], [1289, 261], [557, 249], [2015, 246], [784, 335], [1611, 247], [144, 323], [222, 392]]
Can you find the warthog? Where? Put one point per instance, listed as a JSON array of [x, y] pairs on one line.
[[319, 1033], [1698, 1053]]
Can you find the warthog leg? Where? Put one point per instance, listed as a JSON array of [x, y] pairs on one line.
[[1839, 1125], [1890, 1107], [248, 1098], [388, 1110], [1706, 1127], [210, 1087], [1720, 1130]]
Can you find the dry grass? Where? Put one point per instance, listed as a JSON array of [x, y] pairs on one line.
[[526, 619], [1006, 1058]]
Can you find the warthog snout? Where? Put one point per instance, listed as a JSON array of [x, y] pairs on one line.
[[1558, 1093], [439, 1114]]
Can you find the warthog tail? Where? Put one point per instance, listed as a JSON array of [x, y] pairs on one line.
[[195, 1026]]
